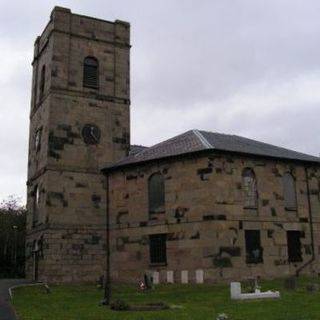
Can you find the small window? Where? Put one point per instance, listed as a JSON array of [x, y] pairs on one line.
[[250, 192], [90, 73], [36, 200], [254, 251], [294, 246], [37, 139], [156, 193], [158, 248], [289, 192], [42, 80]]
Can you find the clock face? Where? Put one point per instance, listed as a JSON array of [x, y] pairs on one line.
[[91, 134]]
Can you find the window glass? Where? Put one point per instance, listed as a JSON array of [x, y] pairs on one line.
[[254, 251], [156, 193], [36, 200], [294, 246], [289, 192], [249, 186], [42, 80], [37, 140], [158, 249]]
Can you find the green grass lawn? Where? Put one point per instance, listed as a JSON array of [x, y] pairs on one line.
[[194, 302]]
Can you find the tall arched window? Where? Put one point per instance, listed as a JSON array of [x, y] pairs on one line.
[[156, 193], [42, 80], [289, 191], [249, 186], [91, 72]]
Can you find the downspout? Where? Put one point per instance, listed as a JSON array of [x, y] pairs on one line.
[[311, 227], [107, 287]]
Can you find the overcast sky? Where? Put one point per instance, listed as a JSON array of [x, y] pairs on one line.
[[248, 67]]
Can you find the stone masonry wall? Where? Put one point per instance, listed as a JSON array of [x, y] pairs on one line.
[[205, 219], [70, 232], [67, 254]]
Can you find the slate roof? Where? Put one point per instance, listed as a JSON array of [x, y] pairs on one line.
[[135, 148], [197, 140]]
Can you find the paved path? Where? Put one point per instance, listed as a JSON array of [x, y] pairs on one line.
[[6, 311]]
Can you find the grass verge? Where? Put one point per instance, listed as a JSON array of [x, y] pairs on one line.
[[194, 302]]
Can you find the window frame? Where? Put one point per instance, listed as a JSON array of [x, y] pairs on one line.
[[160, 207], [246, 196], [42, 81], [35, 204], [250, 258], [37, 143], [158, 249], [90, 70], [294, 258], [294, 190]]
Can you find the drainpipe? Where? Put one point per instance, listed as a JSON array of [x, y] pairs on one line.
[[311, 227], [107, 288]]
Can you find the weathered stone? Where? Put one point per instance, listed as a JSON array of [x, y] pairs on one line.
[[65, 166]]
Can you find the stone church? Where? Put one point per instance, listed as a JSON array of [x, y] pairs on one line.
[[200, 207]]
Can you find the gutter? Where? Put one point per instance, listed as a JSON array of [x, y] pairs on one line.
[[311, 227], [107, 285], [207, 151]]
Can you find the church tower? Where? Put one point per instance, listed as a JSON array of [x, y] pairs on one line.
[[79, 121]]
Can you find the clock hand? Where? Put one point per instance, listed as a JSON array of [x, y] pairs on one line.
[[93, 135]]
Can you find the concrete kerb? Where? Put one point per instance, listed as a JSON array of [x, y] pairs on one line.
[[28, 285]]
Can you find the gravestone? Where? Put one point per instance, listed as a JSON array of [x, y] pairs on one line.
[[235, 290], [170, 277], [184, 276], [155, 277], [199, 276]]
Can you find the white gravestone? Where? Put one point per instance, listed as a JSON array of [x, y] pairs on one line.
[[170, 277], [199, 276], [155, 277], [184, 276], [235, 291]]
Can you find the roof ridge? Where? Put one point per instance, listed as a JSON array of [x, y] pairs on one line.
[[202, 139]]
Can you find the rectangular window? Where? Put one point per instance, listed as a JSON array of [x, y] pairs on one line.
[[254, 251], [294, 246], [35, 209], [158, 248]]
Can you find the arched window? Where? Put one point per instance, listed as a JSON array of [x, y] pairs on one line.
[[249, 186], [42, 80], [289, 191], [90, 72], [156, 193]]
